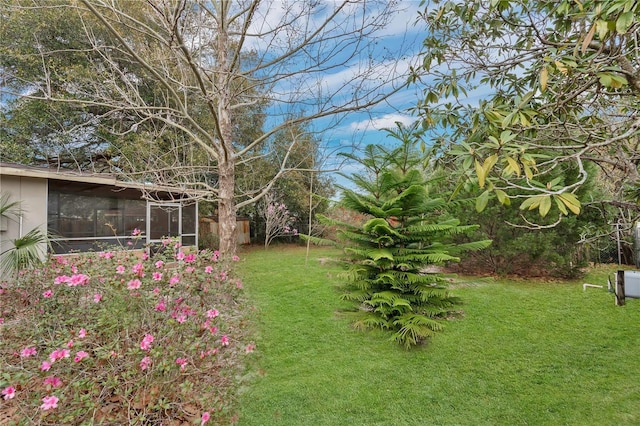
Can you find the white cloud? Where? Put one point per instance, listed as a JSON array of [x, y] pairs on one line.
[[387, 121]]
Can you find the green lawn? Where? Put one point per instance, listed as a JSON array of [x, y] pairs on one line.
[[523, 353]]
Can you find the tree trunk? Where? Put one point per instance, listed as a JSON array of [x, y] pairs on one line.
[[226, 160], [227, 208]]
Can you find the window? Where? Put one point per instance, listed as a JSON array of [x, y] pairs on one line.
[[84, 217]]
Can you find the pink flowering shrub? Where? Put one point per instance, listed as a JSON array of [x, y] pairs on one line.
[[278, 220], [109, 338]]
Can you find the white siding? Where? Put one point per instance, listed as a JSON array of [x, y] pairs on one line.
[[32, 194]]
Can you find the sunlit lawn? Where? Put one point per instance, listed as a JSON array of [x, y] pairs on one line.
[[524, 352]]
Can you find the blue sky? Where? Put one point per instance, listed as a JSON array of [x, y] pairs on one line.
[[401, 39]]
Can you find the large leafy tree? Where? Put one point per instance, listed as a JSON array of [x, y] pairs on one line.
[[518, 88], [405, 231], [182, 71]]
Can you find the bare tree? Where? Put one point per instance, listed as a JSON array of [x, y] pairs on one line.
[[209, 62]]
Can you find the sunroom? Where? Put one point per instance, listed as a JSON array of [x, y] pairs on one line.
[[90, 212]]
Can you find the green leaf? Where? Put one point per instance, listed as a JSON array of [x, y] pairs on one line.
[[545, 205], [481, 174], [561, 206], [602, 28], [623, 22], [468, 161], [507, 136], [482, 200], [605, 79], [527, 171], [503, 198], [489, 162], [530, 203], [512, 166], [570, 201], [381, 254]]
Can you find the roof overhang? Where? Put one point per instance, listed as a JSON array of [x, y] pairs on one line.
[[19, 170]]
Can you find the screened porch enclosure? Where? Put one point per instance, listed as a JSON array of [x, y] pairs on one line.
[[92, 217]]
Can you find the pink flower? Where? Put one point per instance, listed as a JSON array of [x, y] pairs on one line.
[[157, 276], [208, 269], [235, 258], [59, 354], [159, 264], [82, 333], [205, 418], [174, 280], [8, 393], [250, 348], [61, 279], [212, 313], [161, 307], [180, 256], [145, 345], [189, 269], [78, 279], [27, 352], [145, 256], [97, 298], [138, 269], [182, 362], [120, 269], [45, 366], [224, 340], [70, 344], [106, 254], [80, 355], [47, 294], [145, 363], [190, 258], [53, 381], [49, 402], [136, 232], [134, 284]]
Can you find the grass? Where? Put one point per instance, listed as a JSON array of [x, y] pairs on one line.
[[524, 352]]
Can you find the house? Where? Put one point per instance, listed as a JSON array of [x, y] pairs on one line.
[[85, 211]]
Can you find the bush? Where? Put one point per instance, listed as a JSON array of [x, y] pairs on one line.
[[113, 338]]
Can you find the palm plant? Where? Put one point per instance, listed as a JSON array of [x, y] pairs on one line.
[[26, 250]]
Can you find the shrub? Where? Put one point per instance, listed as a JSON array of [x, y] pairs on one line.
[[115, 338]]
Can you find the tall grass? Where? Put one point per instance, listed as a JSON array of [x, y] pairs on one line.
[[522, 352]]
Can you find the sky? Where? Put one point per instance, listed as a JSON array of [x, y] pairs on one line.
[[380, 59], [365, 127]]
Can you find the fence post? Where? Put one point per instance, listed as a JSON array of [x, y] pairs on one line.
[[620, 288]]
